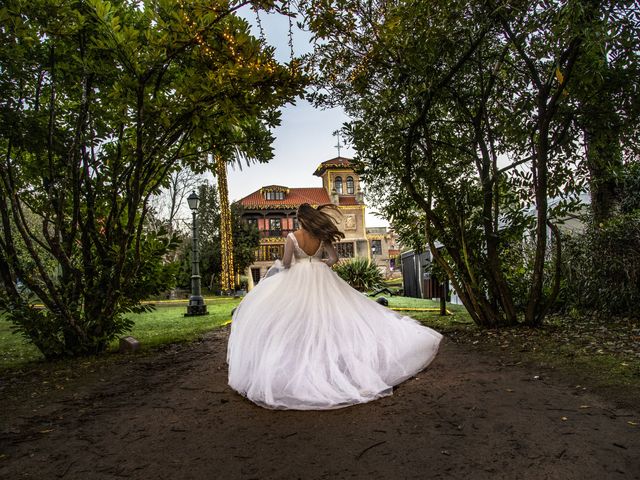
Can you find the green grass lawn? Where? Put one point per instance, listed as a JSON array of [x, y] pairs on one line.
[[166, 324], [394, 282], [432, 318], [14, 350]]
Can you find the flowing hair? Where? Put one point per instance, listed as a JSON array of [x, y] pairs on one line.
[[319, 223]]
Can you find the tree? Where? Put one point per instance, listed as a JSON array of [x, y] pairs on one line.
[[606, 88], [246, 240], [464, 124], [165, 206], [209, 218], [101, 102]]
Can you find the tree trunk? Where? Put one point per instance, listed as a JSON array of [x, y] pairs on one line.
[[540, 179], [604, 158], [443, 298]]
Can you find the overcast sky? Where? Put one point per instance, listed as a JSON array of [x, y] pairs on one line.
[[304, 138]]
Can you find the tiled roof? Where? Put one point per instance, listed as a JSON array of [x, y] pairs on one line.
[[338, 162], [293, 199]]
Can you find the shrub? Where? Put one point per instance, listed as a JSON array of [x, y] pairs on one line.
[[243, 284], [602, 267], [83, 327], [361, 273]]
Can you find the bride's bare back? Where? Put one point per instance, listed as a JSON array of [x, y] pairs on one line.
[[307, 242]]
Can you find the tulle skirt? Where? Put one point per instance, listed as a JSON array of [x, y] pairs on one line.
[[304, 339]]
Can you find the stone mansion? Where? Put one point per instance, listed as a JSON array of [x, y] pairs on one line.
[[272, 209]]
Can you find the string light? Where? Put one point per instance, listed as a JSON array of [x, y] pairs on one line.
[[226, 234], [256, 65]]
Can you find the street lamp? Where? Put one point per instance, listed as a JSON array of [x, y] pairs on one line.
[[196, 301]]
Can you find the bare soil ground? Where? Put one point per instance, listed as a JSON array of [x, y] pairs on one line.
[[171, 415]]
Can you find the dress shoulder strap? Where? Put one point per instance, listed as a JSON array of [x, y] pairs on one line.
[[320, 249]]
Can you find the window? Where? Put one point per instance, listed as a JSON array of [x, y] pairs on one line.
[[376, 247], [275, 224], [296, 224], [350, 185], [252, 222], [270, 195], [344, 250], [338, 184]]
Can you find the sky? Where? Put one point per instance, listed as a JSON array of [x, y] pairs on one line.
[[304, 138]]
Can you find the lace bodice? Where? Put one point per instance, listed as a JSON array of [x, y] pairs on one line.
[[293, 250]]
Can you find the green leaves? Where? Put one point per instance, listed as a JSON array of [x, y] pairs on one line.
[[608, 281], [464, 120], [101, 101], [361, 273]]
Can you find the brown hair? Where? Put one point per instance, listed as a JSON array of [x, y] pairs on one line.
[[320, 224]]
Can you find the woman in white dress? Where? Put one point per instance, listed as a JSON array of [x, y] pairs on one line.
[[303, 339]]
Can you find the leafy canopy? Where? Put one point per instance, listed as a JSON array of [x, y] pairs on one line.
[[101, 101]]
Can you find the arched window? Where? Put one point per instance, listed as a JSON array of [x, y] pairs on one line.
[[338, 184], [350, 185]]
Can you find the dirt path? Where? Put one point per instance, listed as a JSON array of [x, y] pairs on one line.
[[170, 415]]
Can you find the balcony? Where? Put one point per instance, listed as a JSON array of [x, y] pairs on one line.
[[282, 233], [270, 253]]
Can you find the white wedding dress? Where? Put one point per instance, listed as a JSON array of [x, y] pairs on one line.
[[304, 339]]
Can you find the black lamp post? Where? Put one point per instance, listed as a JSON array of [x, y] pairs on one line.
[[196, 301]]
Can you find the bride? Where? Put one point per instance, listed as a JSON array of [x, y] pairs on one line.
[[303, 339]]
